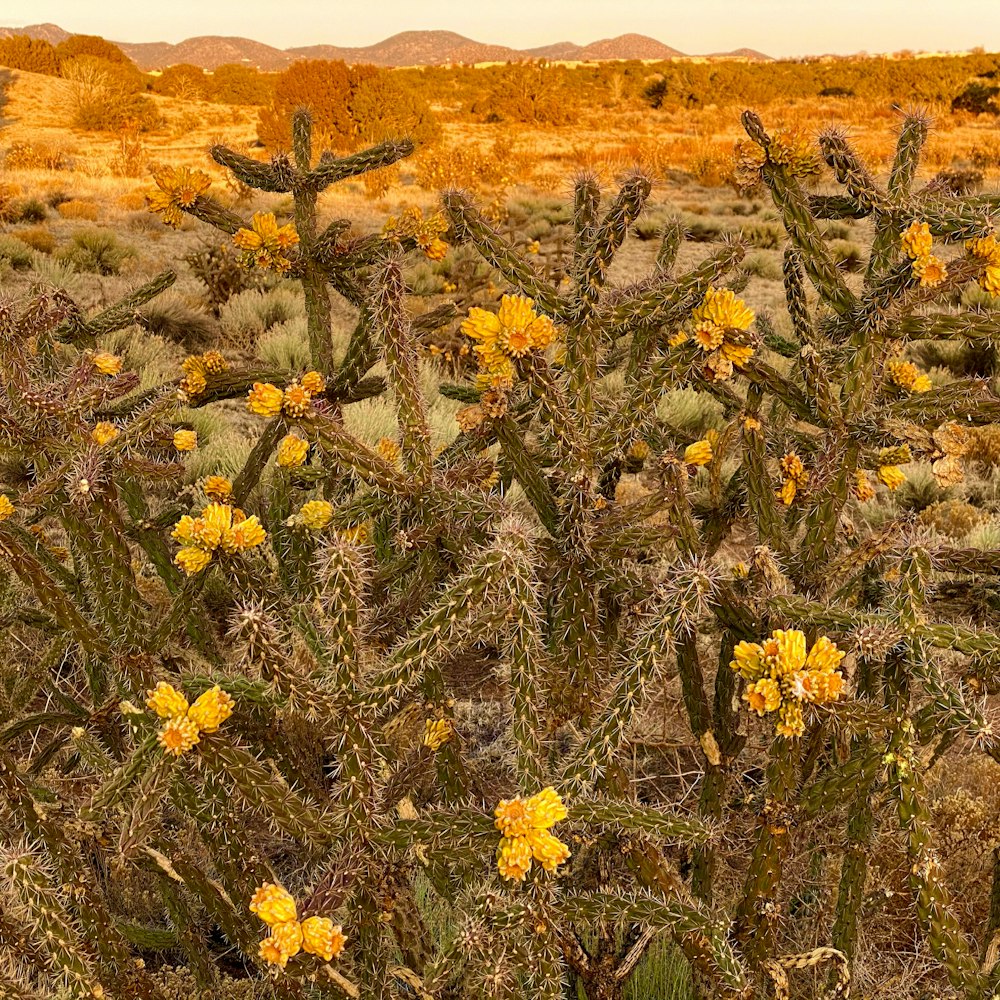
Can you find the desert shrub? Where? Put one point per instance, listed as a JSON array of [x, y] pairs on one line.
[[246, 316], [78, 208], [327, 88], [14, 254], [383, 109], [95, 250], [105, 96], [241, 85], [286, 345], [91, 45], [191, 83], [527, 93], [37, 238], [954, 518], [36, 156], [33, 55], [17, 210], [175, 320], [632, 678], [978, 99], [6, 79]]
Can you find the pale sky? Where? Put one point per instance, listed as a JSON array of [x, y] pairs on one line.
[[777, 27]]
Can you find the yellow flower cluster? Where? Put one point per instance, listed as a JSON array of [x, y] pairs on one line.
[[217, 488], [907, 376], [103, 432], [794, 477], [917, 244], [264, 244], [185, 723], [107, 364], [437, 732], [6, 507], [525, 825], [389, 450], [197, 368], [792, 149], [781, 676], [888, 471], [721, 323], [512, 332], [267, 400], [987, 248], [219, 527], [863, 488], [177, 188], [891, 476], [426, 233], [292, 451], [699, 453], [185, 440], [315, 935], [315, 514]]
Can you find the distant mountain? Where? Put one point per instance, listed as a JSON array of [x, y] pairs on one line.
[[628, 47], [750, 55], [49, 32], [408, 48]]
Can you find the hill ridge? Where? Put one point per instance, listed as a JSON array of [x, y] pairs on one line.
[[405, 48]]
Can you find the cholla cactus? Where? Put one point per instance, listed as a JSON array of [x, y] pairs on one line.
[[249, 700]]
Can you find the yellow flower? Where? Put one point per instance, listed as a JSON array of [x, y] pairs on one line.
[[824, 656], [437, 732], [313, 383], [292, 451], [316, 514], [763, 695], [930, 270], [217, 488], [265, 399], [990, 280], [7, 509], [748, 660], [514, 858], [791, 722], [389, 450], [513, 818], [271, 953], [322, 937], [549, 851], [185, 440], [891, 476], [785, 651], [265, 242], [795, 150], [297, 401], [287, 937], [103, 432], [863, 488], [922, 383], [985, 248], [245, 534], [214, 362], [498, 373], [514, 331], [193, 384], [680, 337], [356, 535], [107, 364], [178, 735], [179, 187], [722, 308], [534, 246], [546, 808], [211, 709], [708, 336], [166, 701], [699, 453], [437, 249], [192, 560], [917, 240], [786, 494], [273, 904]]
